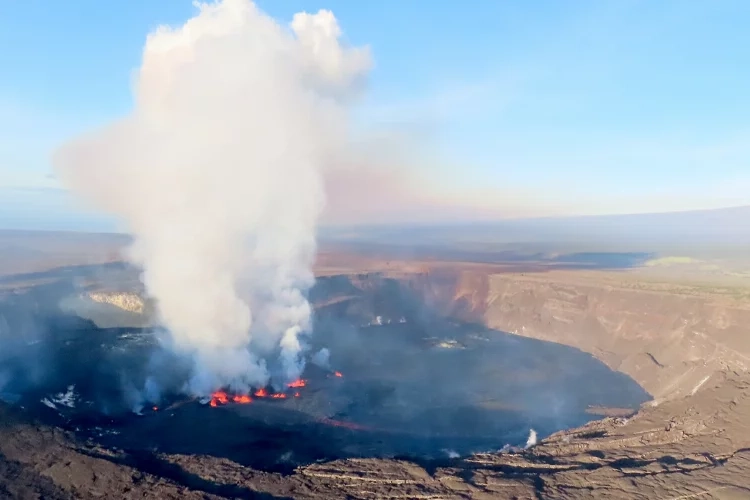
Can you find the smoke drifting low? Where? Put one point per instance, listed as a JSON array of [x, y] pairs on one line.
[[217, 174]]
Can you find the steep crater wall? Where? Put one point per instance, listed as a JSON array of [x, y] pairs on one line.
[[670, 339]]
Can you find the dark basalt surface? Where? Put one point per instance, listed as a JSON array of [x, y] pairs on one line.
[[415, 387], [422, 390], [413, 395]]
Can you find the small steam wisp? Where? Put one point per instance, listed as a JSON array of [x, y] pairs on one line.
[[217, 174], [532, 439]]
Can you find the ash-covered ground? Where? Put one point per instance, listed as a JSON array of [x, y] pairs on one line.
[[412, 385]]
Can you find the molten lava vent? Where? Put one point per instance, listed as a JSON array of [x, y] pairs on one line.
[[222, 397]]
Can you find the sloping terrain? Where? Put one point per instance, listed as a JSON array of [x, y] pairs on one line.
[[669, 338], [687, 345]]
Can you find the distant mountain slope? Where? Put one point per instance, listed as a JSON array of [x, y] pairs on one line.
[[728, 226], [31, 251]]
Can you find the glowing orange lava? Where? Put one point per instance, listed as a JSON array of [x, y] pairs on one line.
[[298, 383], [338, 374], [219, 397], [155, 408]]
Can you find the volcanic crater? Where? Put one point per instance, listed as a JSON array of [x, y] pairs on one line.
[[412, 373]]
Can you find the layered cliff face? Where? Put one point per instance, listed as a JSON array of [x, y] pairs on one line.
[[109, 308], [127, 301], [668, 338]]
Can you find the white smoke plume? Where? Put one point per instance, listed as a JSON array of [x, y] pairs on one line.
[[217, 174], [531, 441]]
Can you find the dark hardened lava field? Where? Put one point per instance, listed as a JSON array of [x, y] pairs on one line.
[[413, 385]]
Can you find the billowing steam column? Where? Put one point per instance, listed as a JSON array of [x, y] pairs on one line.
[[217, 174]]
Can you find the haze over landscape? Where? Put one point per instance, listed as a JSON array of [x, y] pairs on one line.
[[494, 111], [258, 249]]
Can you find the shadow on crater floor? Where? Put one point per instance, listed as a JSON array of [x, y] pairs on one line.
[[403, 393], [414, 385]]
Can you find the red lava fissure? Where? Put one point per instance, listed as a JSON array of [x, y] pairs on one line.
[[222, 397]]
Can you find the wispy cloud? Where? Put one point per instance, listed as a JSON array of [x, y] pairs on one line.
[[14, 177], [28, 136], [30, 195], [450, 101], [633, 175]]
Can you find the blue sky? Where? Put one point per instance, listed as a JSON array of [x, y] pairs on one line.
[[539, 107]]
